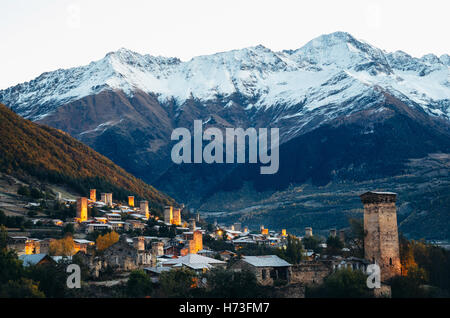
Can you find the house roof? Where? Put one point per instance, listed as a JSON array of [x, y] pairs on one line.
[[33, 259], [82, 241], [266, 261], [157, 270], [244, 240], [194, 261]]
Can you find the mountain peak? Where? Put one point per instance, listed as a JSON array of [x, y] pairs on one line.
[[342, 50]]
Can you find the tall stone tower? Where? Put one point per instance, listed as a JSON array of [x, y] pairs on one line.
[[192, 225], [380, 224], [168, 214], [196, 244], [139, 243], [158, 248], [176, 216], [93, 195], [103, 198], [109, 199], [144, 209], [82, 209], [131, 201], [308, 232]]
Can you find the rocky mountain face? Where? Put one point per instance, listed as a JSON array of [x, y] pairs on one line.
[[347, 111]]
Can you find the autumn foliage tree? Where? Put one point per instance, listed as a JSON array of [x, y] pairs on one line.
[[62, 247], [105, 241]]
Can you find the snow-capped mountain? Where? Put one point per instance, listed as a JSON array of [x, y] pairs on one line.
[[347, 111], [327, 70], [138, 99]]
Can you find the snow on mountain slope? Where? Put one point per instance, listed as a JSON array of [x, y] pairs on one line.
[[326, 71]]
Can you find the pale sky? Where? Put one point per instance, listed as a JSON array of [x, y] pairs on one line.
[[40, 36]]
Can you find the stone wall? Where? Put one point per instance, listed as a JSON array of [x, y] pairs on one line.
[[310, 273]]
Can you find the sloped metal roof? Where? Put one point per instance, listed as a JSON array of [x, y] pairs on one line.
[[266, 261]]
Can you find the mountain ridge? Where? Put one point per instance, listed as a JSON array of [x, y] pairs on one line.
[[52, 155], [249, 71]]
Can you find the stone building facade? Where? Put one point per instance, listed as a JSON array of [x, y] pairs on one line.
[[82, 209]]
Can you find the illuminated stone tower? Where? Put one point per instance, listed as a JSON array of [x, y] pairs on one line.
[[82, 209], [93, 195], [144, 209], [381, 240], [131, 201], [176, 216], [196, 244], [168, 214]]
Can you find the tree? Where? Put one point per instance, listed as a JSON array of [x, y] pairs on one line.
[[107, 240], [228, 284], [10, 266], [294, 250], [3, 237], [178, 283], [22, 288], [62, 247], [344, 283], [139, 284], [23, 190], [311, 243], [68, 229], [334, 245], [51, 278], [409, 286], [356, 237]]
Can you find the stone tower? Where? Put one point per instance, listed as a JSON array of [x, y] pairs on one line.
[[158, 248], [144, 209], [82, 212], [93, 195], [176, 216], [131, 201], [308, 231], [168, 214], [139, 243], [380, 224], [196, 244], [109, 200], [192, 225], [333, 233], [103, 198]]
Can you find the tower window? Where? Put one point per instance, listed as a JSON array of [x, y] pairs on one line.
[[390, 261]]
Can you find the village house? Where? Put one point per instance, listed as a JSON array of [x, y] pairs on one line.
[[267, 268], [82, 245], [35, 259], [24, 245]]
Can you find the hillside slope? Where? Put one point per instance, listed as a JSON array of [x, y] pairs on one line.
[[54, 156]]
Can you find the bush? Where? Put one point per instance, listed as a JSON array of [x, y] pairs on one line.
[[344, 283], [139, 284], [178, 283]]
